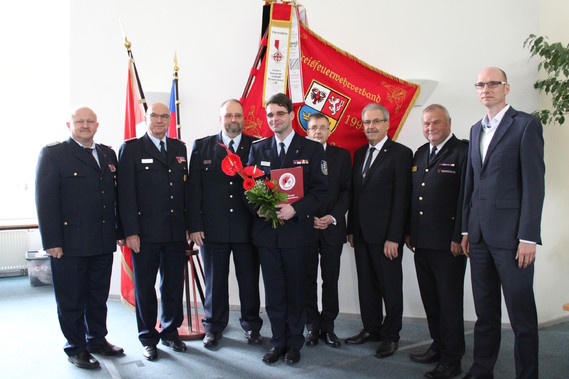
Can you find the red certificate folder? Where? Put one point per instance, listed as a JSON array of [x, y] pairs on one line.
[[289, 181]]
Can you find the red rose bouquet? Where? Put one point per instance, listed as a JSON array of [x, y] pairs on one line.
[[260, 192]]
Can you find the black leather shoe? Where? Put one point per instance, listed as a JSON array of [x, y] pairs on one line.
[[362, 337], [84, 360], [176, 344], [253, 337], [150, 352], [311, 338], [292, 356], [211, 339], [330, 339], [429, 356], [444, 371], [106, 349], [273, 355], [386, 348], [470, 376]]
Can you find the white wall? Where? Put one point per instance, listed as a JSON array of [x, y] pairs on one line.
[[216, 42]]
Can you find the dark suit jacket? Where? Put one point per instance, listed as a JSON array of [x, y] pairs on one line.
[[76, 200], [298, 231], [338, 195], [380, 205], [217, 202], [153, 191], [504, 195], [436, 207]]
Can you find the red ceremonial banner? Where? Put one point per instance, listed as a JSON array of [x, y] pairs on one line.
[[338, 85]]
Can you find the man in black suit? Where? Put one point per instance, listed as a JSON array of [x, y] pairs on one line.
[[330, 223], [438, 171], [76, 200], [381, 186], [220, 223], [152, 202], [283, 250], [503, 201]]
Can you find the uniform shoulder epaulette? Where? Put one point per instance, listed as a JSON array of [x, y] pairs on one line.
[[130, 140], [261, 139], [177, 140], [55, 143], [107, 146]]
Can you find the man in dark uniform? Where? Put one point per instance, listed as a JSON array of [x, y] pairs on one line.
[[220, 223], [381, 187], [76, 202], [435, 234], [283, 250], [152, 201], [330, 223]]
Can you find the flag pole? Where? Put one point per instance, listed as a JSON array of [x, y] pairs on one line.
[[176, 69], [260, 54], [128, 45]]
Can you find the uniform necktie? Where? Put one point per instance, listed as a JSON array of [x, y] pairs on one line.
[[433, 154], [282, 152], [231, 146], [368, 162], [163, 150], [89, 151]]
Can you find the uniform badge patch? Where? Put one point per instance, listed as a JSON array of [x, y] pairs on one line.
[[112, 167], [324, 167], [181, 159]]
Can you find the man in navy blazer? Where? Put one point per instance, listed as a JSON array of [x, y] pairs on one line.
[[152, 203], [76, 201], [283, 251], [381, 186], [330, 225], [438, 172], [504, 192], [220, 222]]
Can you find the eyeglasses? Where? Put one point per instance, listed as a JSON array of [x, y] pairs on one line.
[[81, 122], [164, 116], [279, 114], [491, 85], [376, 121], [321, 128]]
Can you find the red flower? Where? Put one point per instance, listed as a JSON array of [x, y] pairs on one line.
[[248, 184], [253, 172], [270, 185], [231, 165]]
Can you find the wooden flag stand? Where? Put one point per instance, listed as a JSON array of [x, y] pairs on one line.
[[192, 327]]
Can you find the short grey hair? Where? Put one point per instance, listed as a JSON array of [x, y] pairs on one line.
[[375, 106]]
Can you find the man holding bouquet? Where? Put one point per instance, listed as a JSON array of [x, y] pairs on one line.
[[283, 250]]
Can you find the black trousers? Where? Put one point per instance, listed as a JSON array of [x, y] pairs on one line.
[[380, 280], [168, 259], [216, 265], [330, 271], [81, 286], [441, 283], [494, 269], [284, 275]]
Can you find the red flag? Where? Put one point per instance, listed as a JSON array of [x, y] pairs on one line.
[[134, 114], [172, 132], [338, 85]]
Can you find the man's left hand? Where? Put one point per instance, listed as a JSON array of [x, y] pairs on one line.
[[525, 254], [323, 222], [285, 212], [390, 250]]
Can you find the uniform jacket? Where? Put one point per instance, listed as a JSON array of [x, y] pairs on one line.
[[380, 204], [76, 200], [217, 202], [504, 195], [298, 231], [437, 195], [153, 191], [337, 200]]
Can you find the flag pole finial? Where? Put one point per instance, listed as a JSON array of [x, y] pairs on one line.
[[176, 68], [127, 43]]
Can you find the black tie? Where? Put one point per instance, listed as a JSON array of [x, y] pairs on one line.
[[90, 152], [163, 150], [231, 143], [368, 162], [282, 152], [433, 154]]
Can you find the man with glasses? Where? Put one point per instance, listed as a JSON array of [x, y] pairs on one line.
[[152, 203], [503, 201], [283, 250], [330, 225], [220, 223], [76, 201], [381, 186]]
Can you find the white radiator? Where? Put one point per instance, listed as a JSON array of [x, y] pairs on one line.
[[13, 247]]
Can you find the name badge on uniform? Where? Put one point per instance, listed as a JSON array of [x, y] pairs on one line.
[[147, 160], [265, 163], [207, 161]]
